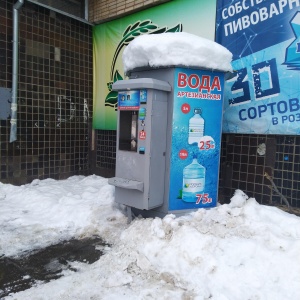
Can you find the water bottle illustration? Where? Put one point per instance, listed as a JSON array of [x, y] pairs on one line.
[[193, 180], [196, 126]]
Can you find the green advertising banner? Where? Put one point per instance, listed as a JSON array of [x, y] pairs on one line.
[[111, 38]]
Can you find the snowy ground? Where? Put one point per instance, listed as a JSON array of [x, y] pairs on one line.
[[238, 251]]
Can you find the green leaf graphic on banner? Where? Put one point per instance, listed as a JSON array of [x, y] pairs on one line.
[[144, 23], [117, 76], [109, 85], [131, 32], [177, 28], [128, 40], [112, 97], [135, 25], [160, 30], [144, 30]]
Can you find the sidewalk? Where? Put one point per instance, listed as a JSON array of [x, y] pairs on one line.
[[18, 274]]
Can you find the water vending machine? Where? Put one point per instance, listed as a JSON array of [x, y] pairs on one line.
[[168, 140]]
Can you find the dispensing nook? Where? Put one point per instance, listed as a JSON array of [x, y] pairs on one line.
[[168, 140]]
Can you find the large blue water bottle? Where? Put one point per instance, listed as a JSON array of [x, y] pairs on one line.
[[193, 181], [196, 127]]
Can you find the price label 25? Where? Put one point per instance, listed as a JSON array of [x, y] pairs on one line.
[[206, 145]]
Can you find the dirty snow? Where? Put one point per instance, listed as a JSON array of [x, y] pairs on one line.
[[241, 250]]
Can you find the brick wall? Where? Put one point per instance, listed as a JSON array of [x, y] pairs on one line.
[[105, 10]]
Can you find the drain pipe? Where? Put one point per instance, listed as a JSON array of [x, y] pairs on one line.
[[15, 71]]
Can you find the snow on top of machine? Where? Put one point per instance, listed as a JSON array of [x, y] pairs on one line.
[[176, 49]]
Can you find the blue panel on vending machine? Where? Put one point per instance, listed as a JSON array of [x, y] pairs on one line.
[[196, 139]]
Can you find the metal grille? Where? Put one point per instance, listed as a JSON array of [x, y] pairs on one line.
[[54, 96], [76, 8], [252, 162], [106, 149], [287, 169]]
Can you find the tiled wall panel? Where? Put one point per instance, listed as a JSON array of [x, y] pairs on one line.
[[54, 95]]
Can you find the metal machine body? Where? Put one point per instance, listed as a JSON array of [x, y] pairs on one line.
[[154, 149]]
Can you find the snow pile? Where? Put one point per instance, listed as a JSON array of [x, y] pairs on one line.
[[176, 49], [235, 251], [239, 199], [47, 211]]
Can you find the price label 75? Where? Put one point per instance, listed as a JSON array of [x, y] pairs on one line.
[[204, 198]]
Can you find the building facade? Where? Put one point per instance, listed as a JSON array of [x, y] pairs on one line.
[[55, 138]]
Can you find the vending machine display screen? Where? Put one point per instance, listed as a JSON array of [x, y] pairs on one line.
[[128, 130]]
